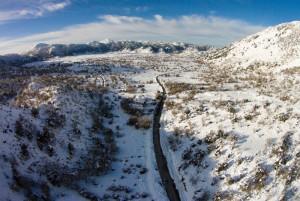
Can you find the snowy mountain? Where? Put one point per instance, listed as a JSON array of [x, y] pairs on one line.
[[275, 45], [44, 51], [48, 51]]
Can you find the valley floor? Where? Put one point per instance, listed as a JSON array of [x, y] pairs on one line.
[[80, 128]]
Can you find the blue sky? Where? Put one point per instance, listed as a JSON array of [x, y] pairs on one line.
[[24, 23]]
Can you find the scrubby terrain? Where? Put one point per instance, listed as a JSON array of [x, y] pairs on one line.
[[233, 129], [79, 127]]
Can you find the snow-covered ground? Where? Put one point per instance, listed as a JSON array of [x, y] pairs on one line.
[[132, 172], [79, 127]]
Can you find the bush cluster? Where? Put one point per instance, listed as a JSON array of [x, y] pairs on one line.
[[55, 119], [127, 105], [192, 156], [176, 87], [140, 122], [25, 128]]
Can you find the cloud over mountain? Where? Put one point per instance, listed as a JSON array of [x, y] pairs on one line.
[[204, 30]]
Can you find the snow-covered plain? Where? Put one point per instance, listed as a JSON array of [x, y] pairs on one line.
[[229, 128]]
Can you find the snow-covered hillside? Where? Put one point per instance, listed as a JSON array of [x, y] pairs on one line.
[[279, 45]]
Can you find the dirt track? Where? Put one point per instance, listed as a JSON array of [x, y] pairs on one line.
[[162, 164]]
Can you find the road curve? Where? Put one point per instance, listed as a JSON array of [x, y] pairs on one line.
[[103, 80], [162, 164]]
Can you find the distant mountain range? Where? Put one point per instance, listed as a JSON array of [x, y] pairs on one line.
[[279, 44], [44, 51]]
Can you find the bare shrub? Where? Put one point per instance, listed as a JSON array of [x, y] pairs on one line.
[[25, 128], [139, 122], [127, 105], [58, 174], [211, 137], [132, 121], [76, 132], [248, 117], [260, 177], [282, 149], [24, 152], [45, 190], [174, 87], [222, 166], [231, 109], [192, 156], [71, 149], [130, 89], [174, 142], [258, 181], [177, 131], [19, 180], [35, 112], [158, 95], [144, 122], [169, 104], [224, 196], [190, 96], [283, 117], [55, 119], [201, 194], [87, 194], [197, 158], [45, 138]]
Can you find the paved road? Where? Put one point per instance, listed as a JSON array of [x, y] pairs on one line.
[[162, 164]]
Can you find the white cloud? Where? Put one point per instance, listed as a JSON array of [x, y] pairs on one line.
[[29, 9], [120, 20], [141, 9], [51, 7], [196, 29]]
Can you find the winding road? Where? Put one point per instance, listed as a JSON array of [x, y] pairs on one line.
[[103, 81], [162, 164]]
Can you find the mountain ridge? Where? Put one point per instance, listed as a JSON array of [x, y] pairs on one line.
[[51, 50], [277, 45], [43, 51]]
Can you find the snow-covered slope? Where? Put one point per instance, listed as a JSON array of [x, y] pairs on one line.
[[275, 45], [248, 93]]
